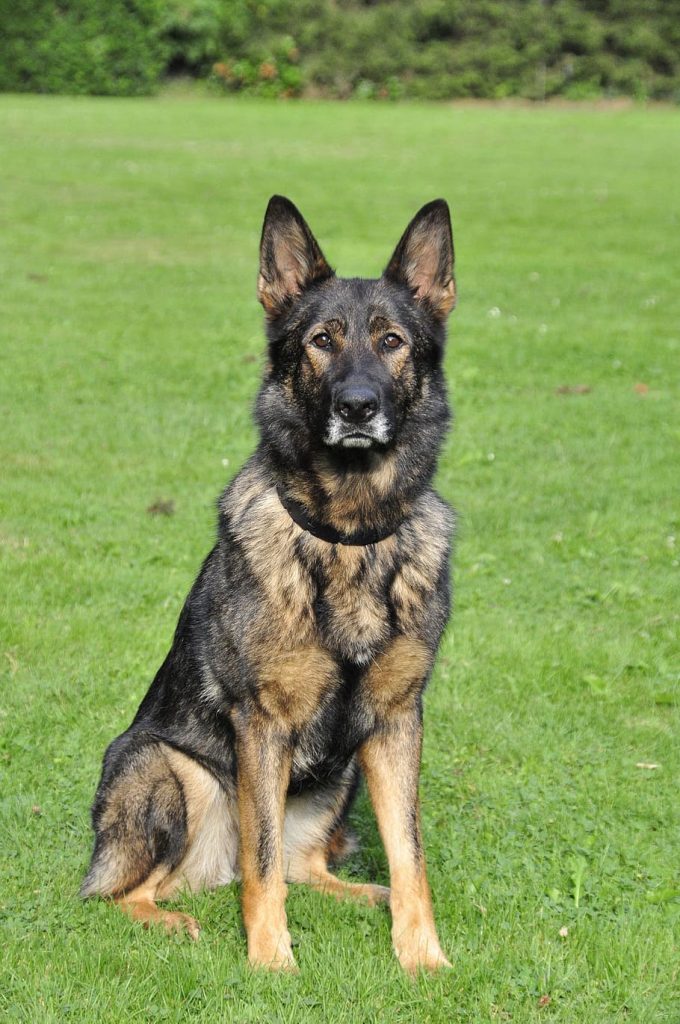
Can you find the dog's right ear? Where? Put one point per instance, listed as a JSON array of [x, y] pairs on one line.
[[290, 257], [423, 259]]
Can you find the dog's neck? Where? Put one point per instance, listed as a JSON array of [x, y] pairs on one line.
[[363, 497], [331, 534]]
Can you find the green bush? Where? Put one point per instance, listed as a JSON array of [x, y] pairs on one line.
[[100, 47], [389, 49], [442, 49], [191, 30]]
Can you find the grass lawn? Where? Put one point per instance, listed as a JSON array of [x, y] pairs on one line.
[[131, 348]]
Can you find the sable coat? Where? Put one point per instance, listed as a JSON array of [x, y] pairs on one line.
[[310, 633]]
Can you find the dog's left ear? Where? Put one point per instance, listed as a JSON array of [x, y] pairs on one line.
[[424, 257], [290, 257]]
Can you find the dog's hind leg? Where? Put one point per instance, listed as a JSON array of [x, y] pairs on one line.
[[314, 834], [311, 868], [141, 906], [161, 822]]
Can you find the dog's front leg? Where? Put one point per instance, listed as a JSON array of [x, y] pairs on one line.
[[263, 774], [391, 763]]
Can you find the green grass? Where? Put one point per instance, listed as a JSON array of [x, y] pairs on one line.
[[131, 352]]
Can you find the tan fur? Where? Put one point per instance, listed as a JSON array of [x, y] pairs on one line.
[[422, 273], [307, 849], [416, 577], [140, 905], [264, 916], [263, 898], [397, 673], [292, 266], [212, 857], [270, 294], [391, 764], [339, 845], [399, 363], [212, 827], [293, 270], [267, 534], [150, 767], [285, 622], [312, 869], [358, 617], [316, 359], [291, 684], [414, 933], [111, 874], [350, 498]]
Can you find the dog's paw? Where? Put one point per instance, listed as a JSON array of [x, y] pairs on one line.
[[146, 912], [271, 951], [173, 921], [376, 894], [420, 951]]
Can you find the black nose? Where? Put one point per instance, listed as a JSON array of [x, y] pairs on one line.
[[356, 403]]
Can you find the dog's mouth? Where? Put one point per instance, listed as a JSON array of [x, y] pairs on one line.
[[344, 435], [357, 441]]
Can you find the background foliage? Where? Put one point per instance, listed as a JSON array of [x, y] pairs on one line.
[[102, 47], [437, 49]]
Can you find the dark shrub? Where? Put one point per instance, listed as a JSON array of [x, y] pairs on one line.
[[437, 49]]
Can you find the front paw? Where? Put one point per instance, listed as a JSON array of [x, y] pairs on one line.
[[419, 950], [271, 949]]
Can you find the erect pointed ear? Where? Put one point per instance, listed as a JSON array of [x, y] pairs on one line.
[[423, 259], [290, 257]]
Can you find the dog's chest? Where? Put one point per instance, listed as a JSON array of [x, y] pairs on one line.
[[340, 637], [332, 734], [356, 699], [352, 601]]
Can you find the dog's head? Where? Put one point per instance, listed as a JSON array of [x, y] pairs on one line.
[[351, 360]]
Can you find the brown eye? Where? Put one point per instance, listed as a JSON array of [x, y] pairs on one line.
[[392, 341], [322, 340]]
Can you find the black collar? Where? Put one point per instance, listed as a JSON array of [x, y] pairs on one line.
[[360, 538]]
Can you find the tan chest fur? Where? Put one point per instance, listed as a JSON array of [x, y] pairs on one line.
[[294, 648]]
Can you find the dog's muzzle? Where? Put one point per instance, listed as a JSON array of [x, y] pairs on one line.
[[356, 419]]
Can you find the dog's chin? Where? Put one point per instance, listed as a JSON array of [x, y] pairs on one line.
[[356, 441], [341, 436]]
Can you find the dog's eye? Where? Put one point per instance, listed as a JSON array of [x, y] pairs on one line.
[[392, 341], [322, 340]]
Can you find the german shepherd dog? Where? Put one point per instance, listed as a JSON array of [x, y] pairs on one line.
[[304, 647]]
